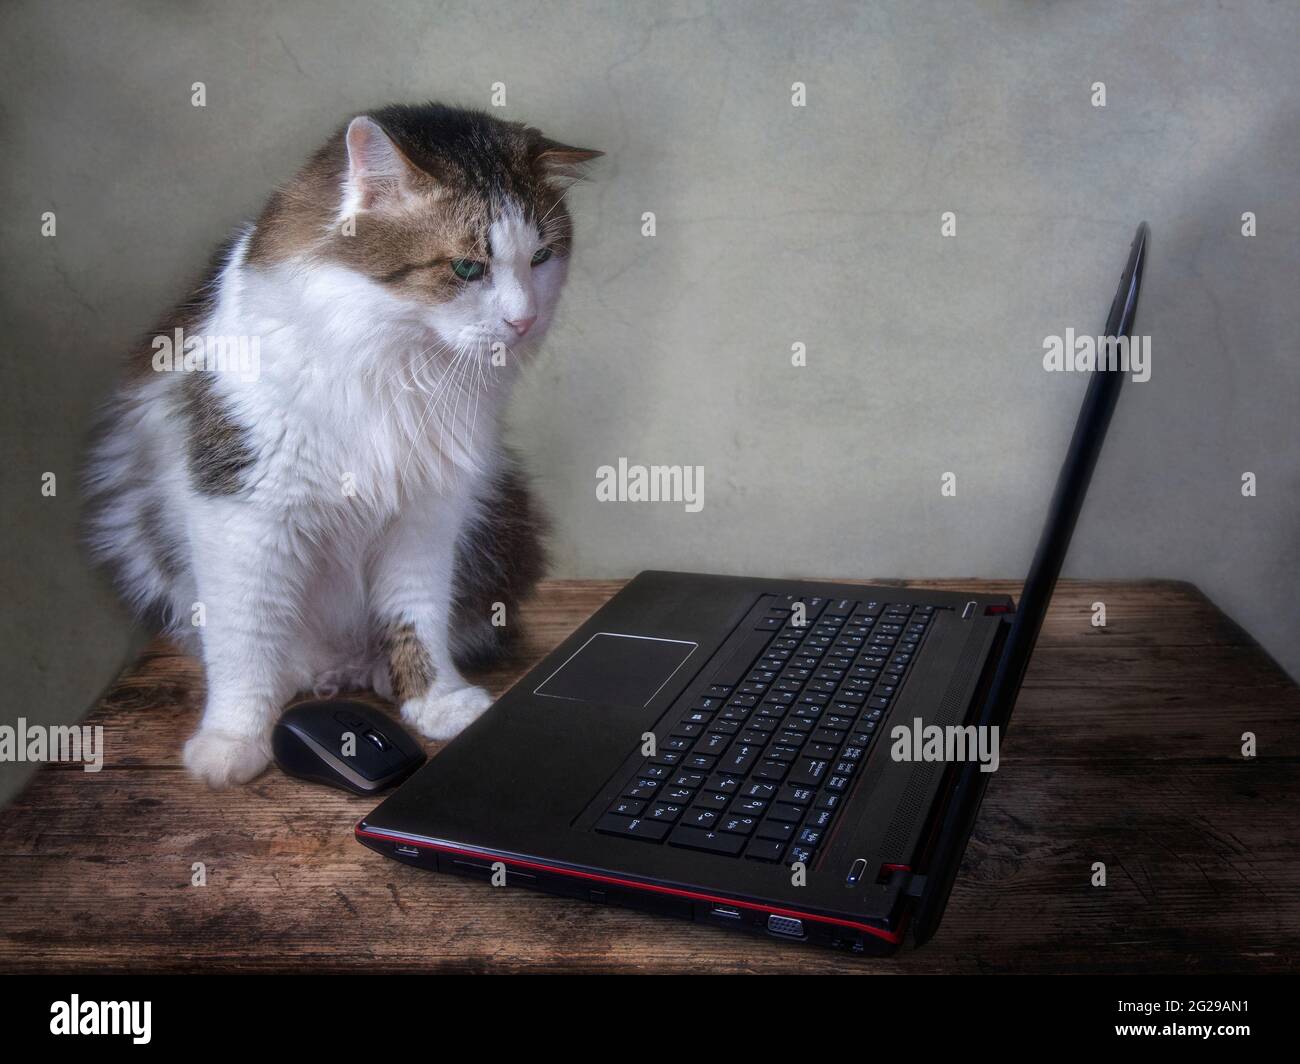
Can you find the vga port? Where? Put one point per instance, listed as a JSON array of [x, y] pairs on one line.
[[785, 925]]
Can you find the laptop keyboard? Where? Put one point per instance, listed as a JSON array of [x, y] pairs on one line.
[[760, 763]]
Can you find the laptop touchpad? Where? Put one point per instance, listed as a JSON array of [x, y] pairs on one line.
[[618, 669]]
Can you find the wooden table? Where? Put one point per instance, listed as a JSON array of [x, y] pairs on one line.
[[1125, 749]]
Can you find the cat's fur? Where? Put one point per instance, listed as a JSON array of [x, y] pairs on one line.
[[349, 517]]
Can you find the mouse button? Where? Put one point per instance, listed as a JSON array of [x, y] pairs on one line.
[[377, 740], [350, 720]]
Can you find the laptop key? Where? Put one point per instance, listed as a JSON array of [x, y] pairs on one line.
[[724, 783], [709, 841], [792, 795], [791, 813], [713, 743], [627, 807], [810, 837], [632, 827], [741, 759], [839, 608], [810, 771], [765, 850], [779, 830], [702, 818], [665, 757]]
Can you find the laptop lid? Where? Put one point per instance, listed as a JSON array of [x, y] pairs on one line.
[[1062, 515]]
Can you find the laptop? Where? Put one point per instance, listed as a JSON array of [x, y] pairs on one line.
[[751, 754]]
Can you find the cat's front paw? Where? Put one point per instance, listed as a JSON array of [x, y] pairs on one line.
[[222, 759], [445, 714]]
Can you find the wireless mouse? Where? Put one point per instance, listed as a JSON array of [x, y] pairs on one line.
[[349, 745]]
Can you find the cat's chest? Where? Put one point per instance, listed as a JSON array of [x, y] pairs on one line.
[[331, 448]]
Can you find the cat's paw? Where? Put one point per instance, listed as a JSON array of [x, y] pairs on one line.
[[445, 714], [221, 759]]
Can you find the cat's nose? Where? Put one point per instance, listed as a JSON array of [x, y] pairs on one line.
[[521, 325]]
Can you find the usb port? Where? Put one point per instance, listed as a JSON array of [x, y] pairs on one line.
[[726, 912], [406, 851]]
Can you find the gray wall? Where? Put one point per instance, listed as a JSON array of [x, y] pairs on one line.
[[776, 224]]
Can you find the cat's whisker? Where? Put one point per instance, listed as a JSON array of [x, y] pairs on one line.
[[452, 386], [441, 345]]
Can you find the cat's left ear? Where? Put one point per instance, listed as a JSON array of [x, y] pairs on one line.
[[553, 159], [378, 170]]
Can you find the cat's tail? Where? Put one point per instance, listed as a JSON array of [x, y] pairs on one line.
[[499, 559], [125, 520]]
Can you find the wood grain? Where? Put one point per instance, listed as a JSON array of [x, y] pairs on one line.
[[1125, 749]]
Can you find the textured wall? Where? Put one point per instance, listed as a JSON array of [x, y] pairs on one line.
[[775, 225]]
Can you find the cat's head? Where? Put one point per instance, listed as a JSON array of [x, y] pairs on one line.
[[457, 215]]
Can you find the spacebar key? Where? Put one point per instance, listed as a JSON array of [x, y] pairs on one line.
[[737, 666], [711, 841]]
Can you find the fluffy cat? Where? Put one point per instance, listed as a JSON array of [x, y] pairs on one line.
[[339, 509]]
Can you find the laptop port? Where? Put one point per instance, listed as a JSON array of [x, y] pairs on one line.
[[726, 912], [785, 925], [406, 851]]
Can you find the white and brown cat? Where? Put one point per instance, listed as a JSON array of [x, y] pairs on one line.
[[347, 510]]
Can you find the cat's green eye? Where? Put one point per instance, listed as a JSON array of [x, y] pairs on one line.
[[467, 269], [542, 255]]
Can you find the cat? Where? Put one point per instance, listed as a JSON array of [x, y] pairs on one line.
[[335, 505]]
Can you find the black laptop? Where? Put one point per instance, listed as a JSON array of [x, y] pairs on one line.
[[747, 753]]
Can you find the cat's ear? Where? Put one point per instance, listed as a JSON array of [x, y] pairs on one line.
[[378, 170], [553, 159]]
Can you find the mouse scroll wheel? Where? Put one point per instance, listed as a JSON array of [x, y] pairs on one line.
[[376, 740]]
